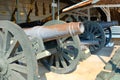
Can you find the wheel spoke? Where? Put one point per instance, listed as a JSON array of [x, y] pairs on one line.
[[86, 29], [11, 48], [63, 62], [67, 57], [1, 41], [92, 48], [68, 52], [15, 58], [16, 76], [91, 29], [99, 39], [18, 68], [51, 59], [97, 35], [57, 61], [63, 39], [6, 40], [95, 30]]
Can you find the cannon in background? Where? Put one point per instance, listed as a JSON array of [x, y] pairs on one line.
[[92, 29], [97, 31], [19, 53]]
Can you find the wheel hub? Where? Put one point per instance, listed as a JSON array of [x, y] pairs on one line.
[[3, 66]]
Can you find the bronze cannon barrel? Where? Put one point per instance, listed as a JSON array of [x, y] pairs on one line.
[[56, 31]]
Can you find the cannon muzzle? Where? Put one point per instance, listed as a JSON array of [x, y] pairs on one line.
[[56, 31]]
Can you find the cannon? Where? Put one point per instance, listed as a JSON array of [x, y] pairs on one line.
[[97, 31], [93, 33], [21, 49]]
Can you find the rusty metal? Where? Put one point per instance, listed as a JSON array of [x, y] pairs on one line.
[[57, 31]]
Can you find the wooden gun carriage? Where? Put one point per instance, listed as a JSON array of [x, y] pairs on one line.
[[57, 45]]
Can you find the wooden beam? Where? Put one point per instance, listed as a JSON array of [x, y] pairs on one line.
[[80, 4]]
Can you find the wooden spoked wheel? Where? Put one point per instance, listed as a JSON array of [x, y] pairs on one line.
[[66, 53], [14, 48], [65, 57]]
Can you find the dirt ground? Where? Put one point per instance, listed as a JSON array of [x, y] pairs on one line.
[[86, 70]]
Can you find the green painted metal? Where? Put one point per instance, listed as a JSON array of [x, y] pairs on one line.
[[14, 47]]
